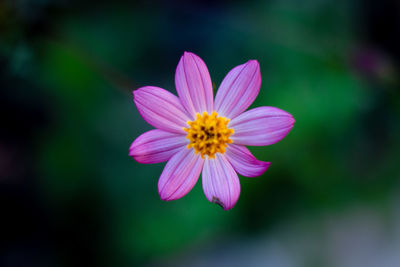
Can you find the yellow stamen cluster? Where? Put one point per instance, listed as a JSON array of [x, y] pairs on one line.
[[208, 134]]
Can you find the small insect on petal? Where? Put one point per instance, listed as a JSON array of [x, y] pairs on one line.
[[217, 201]]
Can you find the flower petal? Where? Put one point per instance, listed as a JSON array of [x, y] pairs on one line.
[[180, 174], [261, 126], [238, 90], [156, 146], [160, 109], [220, 182], [244, 162], [193, 84]]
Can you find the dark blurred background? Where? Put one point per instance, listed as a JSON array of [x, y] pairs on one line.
[[71, 196]]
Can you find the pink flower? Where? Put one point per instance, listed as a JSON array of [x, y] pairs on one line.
[[197, 134]]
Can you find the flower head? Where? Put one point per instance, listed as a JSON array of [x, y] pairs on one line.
[[197, 135], [209, 134]]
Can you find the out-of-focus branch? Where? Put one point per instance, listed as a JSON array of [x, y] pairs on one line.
[[114, 77]]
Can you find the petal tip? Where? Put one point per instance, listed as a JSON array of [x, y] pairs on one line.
[[265, 166], [260, 170], [191, 56], [132, 148], [254, 65], [164, 196], [134, 94], [253, 62], [188, 53], [291, 122], [137, 92]]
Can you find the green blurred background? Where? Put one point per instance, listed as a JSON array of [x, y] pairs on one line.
[[71, 196]]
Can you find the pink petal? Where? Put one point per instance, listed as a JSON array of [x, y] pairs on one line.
[[261, 126], [193, 84], [238, 90], [160, 109], [220, 182], [244, 162], [156, 146], [180, 174]]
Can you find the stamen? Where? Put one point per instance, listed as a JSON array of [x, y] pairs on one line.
[[208, 134]]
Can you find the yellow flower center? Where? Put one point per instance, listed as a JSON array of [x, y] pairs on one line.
[[208, 134]]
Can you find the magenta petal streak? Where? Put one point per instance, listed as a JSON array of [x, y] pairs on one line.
[[220, 182], [160, 109], [193, 84], [261, 126], [238, 90], [180, 174], [244, 162], [156, 146]]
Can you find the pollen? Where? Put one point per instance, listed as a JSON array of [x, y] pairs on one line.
[[208, 134]]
